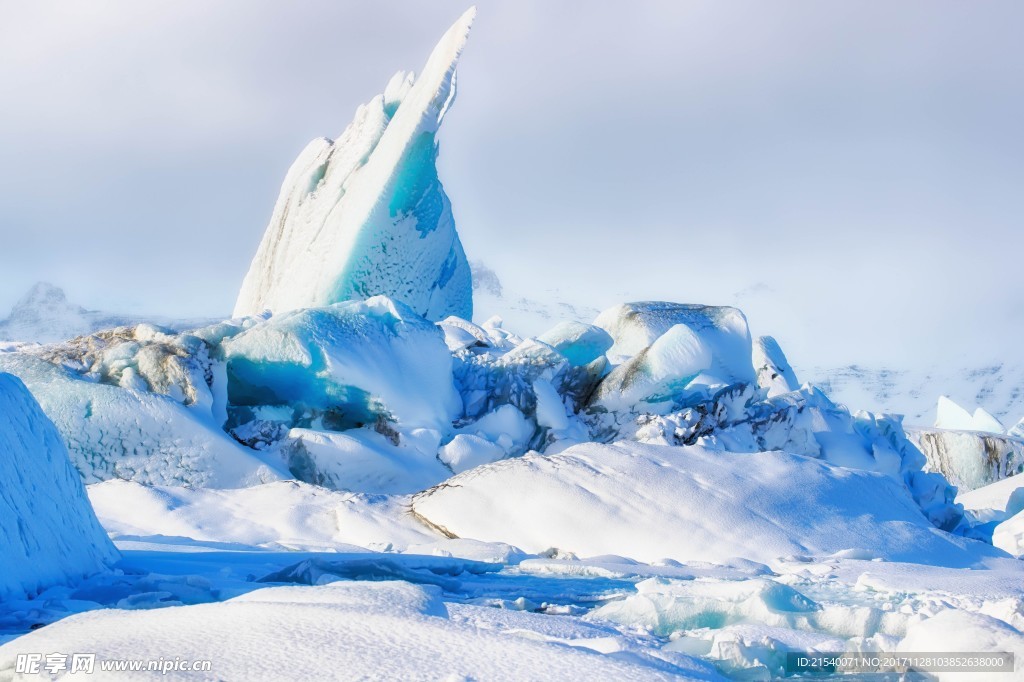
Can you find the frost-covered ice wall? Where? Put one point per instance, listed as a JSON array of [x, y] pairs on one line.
[[48, 531], [366, 214]]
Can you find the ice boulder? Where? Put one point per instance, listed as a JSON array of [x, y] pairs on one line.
[[580, 343], [774, 372], [366, 214], [722, 329], [133, 434], [344, 366], [48, 532], [690, 504], [660, 373]]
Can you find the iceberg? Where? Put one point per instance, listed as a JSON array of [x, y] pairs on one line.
[[366, 214], [49, 534]]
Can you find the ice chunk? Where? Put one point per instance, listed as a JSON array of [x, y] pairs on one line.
[[580, 343], [774, 372], [983, 421], [953, 630], [660, 373], [689, 503], [635, 326], [48, 531], [949, 415], [665, 606], [351, 363], [114, 432], [366, 215]]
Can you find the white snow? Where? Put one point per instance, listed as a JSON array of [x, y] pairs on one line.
[[689, 503], [346, 630], [284, 515], [366, 214], [48, 532]]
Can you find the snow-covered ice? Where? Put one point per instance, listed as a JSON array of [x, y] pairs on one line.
[[48, 532]]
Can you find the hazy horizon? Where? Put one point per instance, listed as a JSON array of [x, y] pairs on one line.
[[848, 174]]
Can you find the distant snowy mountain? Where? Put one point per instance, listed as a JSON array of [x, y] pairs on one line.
[[45, 315], [996, 387]]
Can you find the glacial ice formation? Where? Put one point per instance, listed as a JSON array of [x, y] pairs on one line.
[[366, 214], [970, 459], [368, 396], [48, 532]]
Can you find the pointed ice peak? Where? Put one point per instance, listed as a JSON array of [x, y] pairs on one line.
[[950, 415], [984, 421], [366, 214]]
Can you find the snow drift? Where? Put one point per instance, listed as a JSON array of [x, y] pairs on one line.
[[689, 503], [48, 531]]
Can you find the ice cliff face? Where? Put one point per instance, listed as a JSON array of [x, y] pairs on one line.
[[366, 214], [48, 531]]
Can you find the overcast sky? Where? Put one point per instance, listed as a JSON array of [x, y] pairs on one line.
[[850, 173]]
